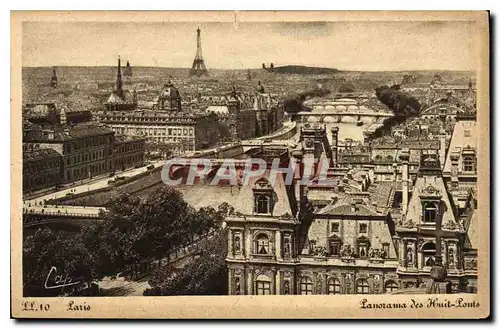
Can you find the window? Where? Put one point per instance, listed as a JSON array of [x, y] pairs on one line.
[[263, 287], [429, 252], [333, 286], [306, 286], [335, 243], [362, 286], [391, 286], [312, 246], [385, 250], [469, 163], [430, 212], [262, 244], [335, 227], [467, 133], [363, 246], [363, 228], [262, 204]]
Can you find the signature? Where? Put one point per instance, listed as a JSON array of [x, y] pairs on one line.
[[54, 281]]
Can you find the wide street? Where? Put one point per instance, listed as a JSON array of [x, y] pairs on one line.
[[37, 204]]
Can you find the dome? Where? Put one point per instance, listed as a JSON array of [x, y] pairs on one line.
[[169, 92]]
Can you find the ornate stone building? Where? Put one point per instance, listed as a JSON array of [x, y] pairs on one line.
[[184, 132], [352, 237], [431, 219]]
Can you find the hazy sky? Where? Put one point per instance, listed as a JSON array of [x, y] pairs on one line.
[[343, 45]]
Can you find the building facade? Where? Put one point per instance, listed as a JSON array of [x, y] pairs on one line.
[[362, 236], [42, 168], [128, 152]]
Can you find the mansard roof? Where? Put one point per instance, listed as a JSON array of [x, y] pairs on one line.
[[464, 136], [431, 186], [282, 199]]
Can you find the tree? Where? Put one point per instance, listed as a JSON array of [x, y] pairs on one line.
[[52, 263], [135, 229], [402, 104], [206, 274], [347, 88]]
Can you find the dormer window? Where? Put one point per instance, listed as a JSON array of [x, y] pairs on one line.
[[430, 212], [263, 197], [262, 204]]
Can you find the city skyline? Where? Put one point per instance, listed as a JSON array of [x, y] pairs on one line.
[[424, 45]]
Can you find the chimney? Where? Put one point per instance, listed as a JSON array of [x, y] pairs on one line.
[[442, 150], [299, 187], [454, 168], [405, 158], [335, 142]]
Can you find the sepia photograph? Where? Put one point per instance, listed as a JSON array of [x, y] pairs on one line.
[[330, 158]]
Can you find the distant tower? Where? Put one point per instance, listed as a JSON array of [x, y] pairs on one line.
[[119, 81], [53, 79], [260, 88], [128, 70], [249, 75], [198, 67]]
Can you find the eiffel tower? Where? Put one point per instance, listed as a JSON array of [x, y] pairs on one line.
[[198, 67]]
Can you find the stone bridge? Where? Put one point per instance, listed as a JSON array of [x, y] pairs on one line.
[[366, 117], [69, 217]]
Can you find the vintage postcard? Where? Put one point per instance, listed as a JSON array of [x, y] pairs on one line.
[[250, 165]]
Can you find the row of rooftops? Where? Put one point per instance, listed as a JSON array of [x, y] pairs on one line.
[[37, 154], [35, 133]]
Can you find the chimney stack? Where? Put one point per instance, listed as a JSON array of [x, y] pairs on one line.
[[335, 143], [454, 168], [405, 158], [442, 150]]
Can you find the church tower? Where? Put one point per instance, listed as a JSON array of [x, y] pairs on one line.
[[128, 70], [119, 81], [53, 79]]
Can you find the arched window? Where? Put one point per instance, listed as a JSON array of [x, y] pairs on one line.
[[262, 285], [469, 163], [429, 252], [430, 212], [262, 204], [262, 244], [362, 286], [306, 286], [333, 286], [391, 286], [389, 158]]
